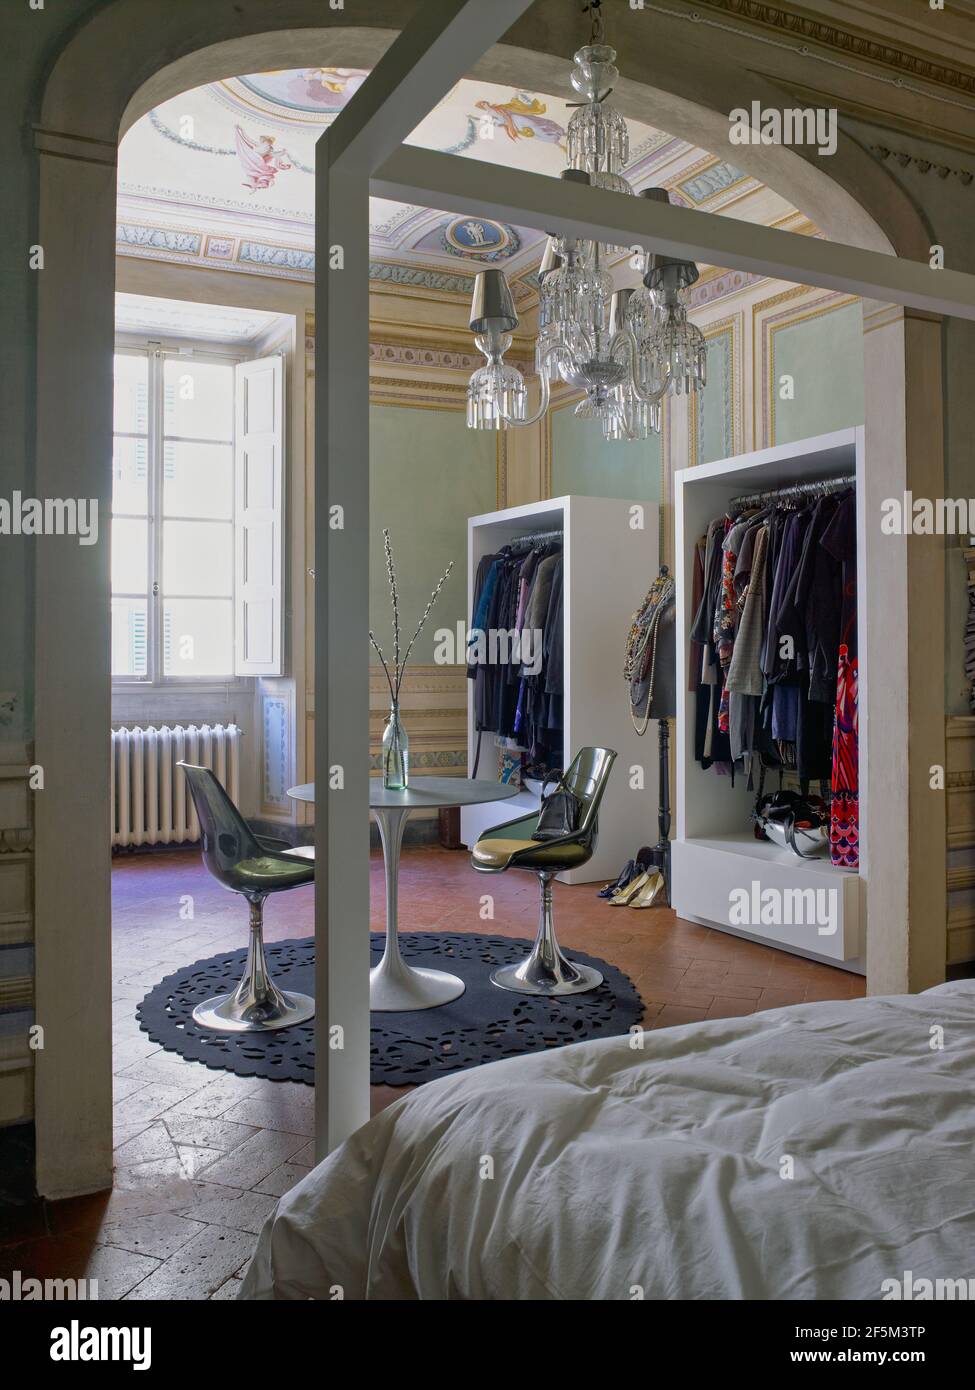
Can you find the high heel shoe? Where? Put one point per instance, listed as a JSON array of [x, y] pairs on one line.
[[626, 875], [650, 891], [626, 895]]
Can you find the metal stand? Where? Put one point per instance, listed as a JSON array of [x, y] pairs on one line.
[[256, 1005], [546, 970], [661, 850], [660, 854], [395, 986]]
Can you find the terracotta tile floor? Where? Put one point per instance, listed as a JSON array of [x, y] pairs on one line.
[[202, 1156]]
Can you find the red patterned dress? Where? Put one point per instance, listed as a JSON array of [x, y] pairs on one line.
[[839, 538]]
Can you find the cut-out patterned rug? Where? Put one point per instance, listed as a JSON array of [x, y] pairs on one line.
[[483, 1025]]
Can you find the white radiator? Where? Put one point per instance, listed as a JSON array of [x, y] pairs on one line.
[[151, 803]]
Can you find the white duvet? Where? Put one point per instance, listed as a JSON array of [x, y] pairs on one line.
[[810, 1152]]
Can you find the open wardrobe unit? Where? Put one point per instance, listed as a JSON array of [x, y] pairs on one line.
[[770, 568], [599, 555]]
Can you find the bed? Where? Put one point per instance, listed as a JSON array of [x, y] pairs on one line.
[[810, 1152]]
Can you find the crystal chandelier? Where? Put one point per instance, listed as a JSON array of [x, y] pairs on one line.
[[625, 349]]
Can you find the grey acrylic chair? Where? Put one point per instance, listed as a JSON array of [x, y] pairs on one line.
[[510, 846], [245, 864]]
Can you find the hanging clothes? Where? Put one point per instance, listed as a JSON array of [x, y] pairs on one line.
[[772, 659], [516, 651]]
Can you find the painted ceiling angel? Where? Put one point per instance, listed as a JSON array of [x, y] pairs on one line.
[[260, 161], [521, 118]]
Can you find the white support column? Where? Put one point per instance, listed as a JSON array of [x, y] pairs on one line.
[[73, 1081], [902, 720], [434, 51]]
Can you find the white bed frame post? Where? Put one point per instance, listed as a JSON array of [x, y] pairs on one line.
[[439, 45]]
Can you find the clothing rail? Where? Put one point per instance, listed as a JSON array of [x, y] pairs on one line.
[[529, 542], [821, 485]]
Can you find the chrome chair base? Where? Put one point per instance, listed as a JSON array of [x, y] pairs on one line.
[[226, 1013], [256, 1005], [546, 971], [531, 978]]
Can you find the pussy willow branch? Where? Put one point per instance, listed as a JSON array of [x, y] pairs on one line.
[[419, 627], [372, 639], [394, 595]]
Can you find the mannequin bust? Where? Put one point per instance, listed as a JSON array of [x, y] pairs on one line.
[[664, 702], [663, 705]]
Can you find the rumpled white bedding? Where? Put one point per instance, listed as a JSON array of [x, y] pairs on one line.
[[599, 1171]]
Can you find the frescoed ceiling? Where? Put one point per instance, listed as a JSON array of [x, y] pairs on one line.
[[224, 176]]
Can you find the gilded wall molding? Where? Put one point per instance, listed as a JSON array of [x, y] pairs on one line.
[[848, 41], [422, 395], [731, 328], [422, 680]]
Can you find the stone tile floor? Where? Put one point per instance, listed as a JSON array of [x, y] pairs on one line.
[[202, 1156]]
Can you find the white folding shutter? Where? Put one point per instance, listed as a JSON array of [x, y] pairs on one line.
[[259, 518]]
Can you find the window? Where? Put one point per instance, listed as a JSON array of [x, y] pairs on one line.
[[182, 531]]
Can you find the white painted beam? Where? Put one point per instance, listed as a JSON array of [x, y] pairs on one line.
[[454, 183], [434, 51], [437, 48]]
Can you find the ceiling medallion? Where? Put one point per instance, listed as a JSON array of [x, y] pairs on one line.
[[479, 237]]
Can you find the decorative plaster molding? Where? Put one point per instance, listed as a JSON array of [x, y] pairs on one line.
[[400, 355], [710, 179], [730, 328], [394, 273], [66, 144], [158, 239], [423, 680], [439, 395], [923, 166], [830, 35], [280, 257], [721, 285]]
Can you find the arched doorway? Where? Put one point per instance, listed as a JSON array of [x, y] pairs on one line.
[[159, 53]]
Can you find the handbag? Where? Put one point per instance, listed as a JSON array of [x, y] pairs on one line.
[[793, 821], [559, 814]]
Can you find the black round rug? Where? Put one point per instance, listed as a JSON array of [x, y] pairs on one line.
[[483, 1025]]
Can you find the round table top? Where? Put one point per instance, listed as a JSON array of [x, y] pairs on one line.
[[428, 793]]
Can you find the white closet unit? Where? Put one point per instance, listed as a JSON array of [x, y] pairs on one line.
[[610, 559], [714, 851]]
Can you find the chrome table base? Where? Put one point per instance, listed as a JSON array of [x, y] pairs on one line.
[[394, 985], [546, 970], [256, 1005]]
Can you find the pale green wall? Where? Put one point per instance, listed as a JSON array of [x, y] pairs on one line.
[[587, 465], [824, 357], [428, 474]]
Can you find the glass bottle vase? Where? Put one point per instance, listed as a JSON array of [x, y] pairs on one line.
[[396, 752]]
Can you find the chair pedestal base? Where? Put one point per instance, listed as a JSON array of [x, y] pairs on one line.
[[546, 970], [228, 1014], [256, 1005]]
